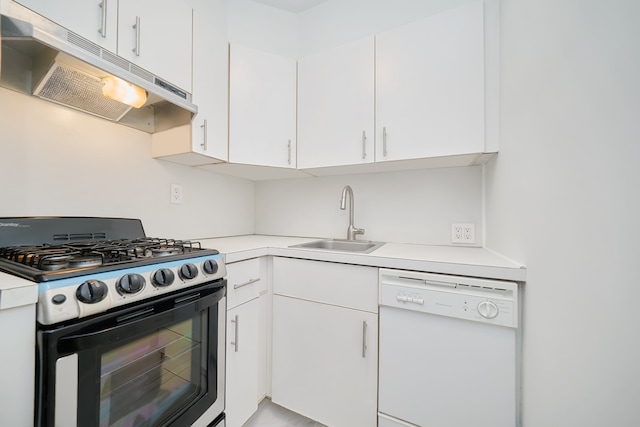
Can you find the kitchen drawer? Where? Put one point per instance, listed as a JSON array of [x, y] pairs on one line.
[[351, 286], [244, 282]]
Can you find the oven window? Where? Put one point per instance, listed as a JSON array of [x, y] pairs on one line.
[[147, 380]]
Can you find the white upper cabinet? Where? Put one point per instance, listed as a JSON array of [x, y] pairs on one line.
[[336, 106], [210, 81], [430, 86], [157, 35], [262, 108], [204, 141], [96, 21]]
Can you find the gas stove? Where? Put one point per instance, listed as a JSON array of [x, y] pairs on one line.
[[86, 265]]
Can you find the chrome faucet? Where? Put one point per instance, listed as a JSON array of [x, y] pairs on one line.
[[351, 231]]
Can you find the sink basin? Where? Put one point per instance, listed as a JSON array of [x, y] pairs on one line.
[[339, 245]]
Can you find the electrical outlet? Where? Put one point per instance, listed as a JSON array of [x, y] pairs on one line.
[[463, 233], [176, 194]]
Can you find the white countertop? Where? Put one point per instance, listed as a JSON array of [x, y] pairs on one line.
[[464, 261], [16, 292]]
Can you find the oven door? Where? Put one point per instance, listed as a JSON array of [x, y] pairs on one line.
[[160, 363]]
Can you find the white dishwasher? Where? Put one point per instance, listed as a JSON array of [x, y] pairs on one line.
[[449, 350]]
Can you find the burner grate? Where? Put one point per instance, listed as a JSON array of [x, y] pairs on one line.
[[87, 254]]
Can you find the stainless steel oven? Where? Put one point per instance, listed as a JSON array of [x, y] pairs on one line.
[[149, 365], [130, 329]]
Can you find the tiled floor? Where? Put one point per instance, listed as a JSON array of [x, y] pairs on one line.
[[271, 415]]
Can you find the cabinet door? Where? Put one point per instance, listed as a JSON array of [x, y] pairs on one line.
[[242, 363], [204, 141], [430, 86], [156, 35], [96, 21], [336, 106], [210, 80], [262, 108], [325, 362]]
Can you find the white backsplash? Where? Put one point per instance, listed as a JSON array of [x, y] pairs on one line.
[[409, 207], [60, 162], [56, 161]]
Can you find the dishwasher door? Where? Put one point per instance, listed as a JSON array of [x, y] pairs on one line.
[[448, 351]]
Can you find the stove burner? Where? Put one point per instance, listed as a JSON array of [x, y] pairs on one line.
[[164, 251], [84, 261], [52, 262]]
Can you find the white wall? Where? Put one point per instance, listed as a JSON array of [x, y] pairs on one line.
[[263, 27], [409, 207], [562, 197], [337, 22], [56, 161]]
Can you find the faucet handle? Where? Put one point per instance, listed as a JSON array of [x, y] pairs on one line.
[[352, 232]]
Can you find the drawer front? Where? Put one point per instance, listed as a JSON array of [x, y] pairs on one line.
[[243, 282], [351, 286]]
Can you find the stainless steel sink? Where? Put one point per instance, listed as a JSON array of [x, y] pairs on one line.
[[340, 245]]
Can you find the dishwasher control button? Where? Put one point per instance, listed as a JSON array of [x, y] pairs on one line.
[[488, 309]]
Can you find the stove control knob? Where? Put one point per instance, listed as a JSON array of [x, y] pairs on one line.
[[92, 291], [163, 277], [210, 266], [188, 271], [130, 284]]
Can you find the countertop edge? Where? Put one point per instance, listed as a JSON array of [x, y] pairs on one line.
[[247, 247], [16, 292]]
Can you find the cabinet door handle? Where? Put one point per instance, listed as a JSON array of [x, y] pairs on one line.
[[204, 138], [364, 338], [384, 141], [103, 30], [136, 27], [234, 343], [289, 152], [247, 283], [364, 145]]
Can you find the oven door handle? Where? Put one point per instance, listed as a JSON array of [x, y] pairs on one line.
[[136, 323]]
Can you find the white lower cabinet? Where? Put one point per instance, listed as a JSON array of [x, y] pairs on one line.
[[242, 362], [325, 341], [244, 319]]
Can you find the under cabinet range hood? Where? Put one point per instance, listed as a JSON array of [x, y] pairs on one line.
[[41, 58]]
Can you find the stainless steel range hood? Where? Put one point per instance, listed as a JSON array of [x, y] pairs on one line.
[[41, 58]]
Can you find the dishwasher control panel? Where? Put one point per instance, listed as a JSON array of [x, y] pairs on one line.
[[479, 300]]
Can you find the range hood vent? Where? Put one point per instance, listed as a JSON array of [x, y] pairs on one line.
[[41, 58], [71, 87]]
